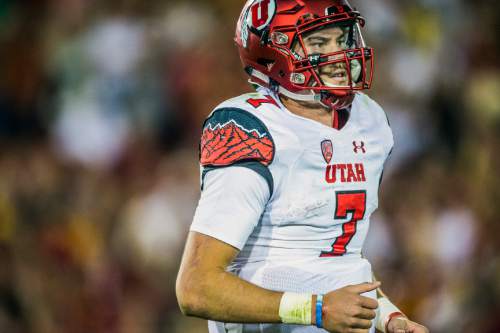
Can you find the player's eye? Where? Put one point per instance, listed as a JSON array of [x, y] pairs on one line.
[[317, 44], [341, 41]]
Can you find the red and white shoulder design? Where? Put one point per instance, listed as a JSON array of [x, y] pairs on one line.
[[232, 134]]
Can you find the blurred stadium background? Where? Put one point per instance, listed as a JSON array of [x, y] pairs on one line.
[[101, 106]]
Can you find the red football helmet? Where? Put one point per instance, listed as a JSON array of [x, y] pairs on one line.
[[272, 34]]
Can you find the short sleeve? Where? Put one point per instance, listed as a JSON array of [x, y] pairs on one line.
[[231, 204]]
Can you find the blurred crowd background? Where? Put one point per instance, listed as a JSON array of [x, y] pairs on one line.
[[101, 106]]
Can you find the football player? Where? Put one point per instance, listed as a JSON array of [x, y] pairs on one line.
[[290, 176]]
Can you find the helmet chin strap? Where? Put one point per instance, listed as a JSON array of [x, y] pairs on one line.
[[326, 101], [312, 97]]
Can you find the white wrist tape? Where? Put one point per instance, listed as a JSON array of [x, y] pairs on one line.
[[386, 308], [296, 308]]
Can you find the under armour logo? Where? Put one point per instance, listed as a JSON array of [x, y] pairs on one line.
[[359, 147]]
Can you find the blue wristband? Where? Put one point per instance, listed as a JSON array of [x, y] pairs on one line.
[[319, 311]]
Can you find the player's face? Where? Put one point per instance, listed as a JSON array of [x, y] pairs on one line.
[[327, 40]]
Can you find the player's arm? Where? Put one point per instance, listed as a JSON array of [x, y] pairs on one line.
[[393, 320], [231, 203], [236, 186]]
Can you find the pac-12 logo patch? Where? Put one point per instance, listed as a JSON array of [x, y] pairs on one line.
[[327, 149]]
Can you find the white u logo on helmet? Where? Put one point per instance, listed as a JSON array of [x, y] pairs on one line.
[[261, 13]]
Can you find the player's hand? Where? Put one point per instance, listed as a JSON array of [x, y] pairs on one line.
[[346, 311], [404, 325]]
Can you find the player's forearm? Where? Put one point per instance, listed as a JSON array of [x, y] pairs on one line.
[[222, 296], [204, 289]]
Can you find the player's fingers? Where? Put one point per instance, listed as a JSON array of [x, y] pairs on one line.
[[361, 323], [364, 287], [366, 314], [368, 302]]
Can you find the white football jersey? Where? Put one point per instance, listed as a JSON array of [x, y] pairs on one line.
[[300, 211]]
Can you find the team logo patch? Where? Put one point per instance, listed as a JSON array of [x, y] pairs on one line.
[[327, 149], [232, 135]]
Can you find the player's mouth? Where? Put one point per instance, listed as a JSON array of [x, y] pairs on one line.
[[336, 78], [339, 74]]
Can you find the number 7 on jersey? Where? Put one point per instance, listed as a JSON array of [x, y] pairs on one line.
[[353, 202]]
